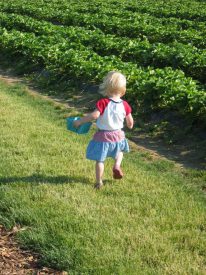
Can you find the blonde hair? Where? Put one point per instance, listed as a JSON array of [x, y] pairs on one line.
[[114, 83]]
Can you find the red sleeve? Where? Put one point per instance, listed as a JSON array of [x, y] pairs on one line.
[[127, 108], [102, 104]]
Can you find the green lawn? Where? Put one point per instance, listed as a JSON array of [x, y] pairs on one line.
[[152, 222]]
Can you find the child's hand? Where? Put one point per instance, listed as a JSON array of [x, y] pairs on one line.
[[76, 123]]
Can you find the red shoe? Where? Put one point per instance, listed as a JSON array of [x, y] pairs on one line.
[[117, 173]]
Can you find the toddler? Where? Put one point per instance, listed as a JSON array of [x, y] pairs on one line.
[[110, 112]]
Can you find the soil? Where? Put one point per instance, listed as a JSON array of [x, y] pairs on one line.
[[14, 260], [188, 154]]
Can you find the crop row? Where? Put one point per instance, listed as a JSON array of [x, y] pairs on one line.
[[132, 28], [190, 10], [110, 9], [154, 88], [123, 12], [185, 10], [186, 57]]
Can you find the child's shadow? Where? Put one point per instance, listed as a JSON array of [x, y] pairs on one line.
[[38, 179]]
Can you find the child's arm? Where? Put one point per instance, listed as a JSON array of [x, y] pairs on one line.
[[92, 116], [130, 121]]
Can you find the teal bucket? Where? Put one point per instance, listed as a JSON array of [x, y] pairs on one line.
[[82, 129]]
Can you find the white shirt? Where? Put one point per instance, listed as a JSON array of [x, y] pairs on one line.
[[112, 113]]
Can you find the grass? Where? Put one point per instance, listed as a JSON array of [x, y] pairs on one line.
[[152, 222]]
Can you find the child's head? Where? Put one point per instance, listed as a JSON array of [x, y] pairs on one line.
[[114, 83]]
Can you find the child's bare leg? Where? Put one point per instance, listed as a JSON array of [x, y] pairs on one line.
[[117, 172], [118, 160], [99, 174]]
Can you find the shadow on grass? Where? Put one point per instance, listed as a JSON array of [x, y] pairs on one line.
[[38, 179]]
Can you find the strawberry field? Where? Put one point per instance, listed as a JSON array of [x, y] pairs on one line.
[[153, 221], [159, 46]]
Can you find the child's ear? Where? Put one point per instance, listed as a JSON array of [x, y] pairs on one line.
[[123, 93]]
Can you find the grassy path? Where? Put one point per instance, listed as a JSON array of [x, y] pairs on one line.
[[152, 222]]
